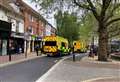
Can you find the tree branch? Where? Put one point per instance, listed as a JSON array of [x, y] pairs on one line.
[[105, 6], [81, 5], [93, 9], [112, 21], [88, 7], [111, 13], [114, 35], [113, 29]]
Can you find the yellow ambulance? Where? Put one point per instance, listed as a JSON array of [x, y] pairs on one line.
[[79, 46], [55, 46]]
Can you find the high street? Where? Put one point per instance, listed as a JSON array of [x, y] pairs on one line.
[[27, 71], [31, 70]]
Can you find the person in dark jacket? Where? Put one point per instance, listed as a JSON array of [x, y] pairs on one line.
[[36, 49]]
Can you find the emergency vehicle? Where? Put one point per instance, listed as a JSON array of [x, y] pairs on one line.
[[55, 46]]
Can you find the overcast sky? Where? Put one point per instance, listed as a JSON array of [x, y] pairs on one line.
[[51, 20]]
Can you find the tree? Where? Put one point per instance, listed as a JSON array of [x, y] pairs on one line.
[[87, 27], [104, 18], [102, 10], [67, 26]]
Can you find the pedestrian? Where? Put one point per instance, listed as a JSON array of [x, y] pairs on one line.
[[36, 49], [91, 54]]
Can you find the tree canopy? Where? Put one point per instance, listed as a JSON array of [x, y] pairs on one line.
[[67, 26]]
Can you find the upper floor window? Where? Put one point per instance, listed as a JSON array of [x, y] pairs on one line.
[[30, 29], [31, 18]]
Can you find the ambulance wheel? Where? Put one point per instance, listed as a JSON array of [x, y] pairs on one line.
[[48, 55], [59, 54]]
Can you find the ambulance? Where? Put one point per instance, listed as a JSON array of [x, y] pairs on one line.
[[79, 46], [55, 46]]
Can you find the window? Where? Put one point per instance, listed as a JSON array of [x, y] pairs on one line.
[[63, 44], [74, 43], [0, 47], [9, 19], [17, 26], [50, 43], [31, 18]]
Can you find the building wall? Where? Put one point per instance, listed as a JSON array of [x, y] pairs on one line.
[[11, 16], [48, 30], [53, 31], [3, 15], [34, 25]]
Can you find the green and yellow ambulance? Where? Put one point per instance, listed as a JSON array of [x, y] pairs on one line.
[[55, 46]]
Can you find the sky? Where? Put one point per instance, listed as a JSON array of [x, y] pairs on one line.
[[51, 20]]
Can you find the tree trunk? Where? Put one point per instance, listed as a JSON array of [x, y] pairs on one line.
[[103, 43]]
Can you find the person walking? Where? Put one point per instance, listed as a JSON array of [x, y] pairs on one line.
[[37, 49]]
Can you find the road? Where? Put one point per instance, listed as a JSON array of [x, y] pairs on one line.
[[27, 71]]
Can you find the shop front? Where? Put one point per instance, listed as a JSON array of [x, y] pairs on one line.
[[35, 40], [32, 43], [5, 31], [17, 41], [38, 41]]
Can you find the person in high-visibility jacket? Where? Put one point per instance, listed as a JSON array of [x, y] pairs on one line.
[[62, 49]]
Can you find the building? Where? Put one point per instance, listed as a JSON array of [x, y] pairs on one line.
[[15, 18], [50, 30], [34, 25], [53, 31], [26, 30]]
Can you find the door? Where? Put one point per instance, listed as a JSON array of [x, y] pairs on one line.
[[4, 47], [0, 47]]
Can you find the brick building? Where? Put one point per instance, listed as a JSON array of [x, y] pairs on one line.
[[27, 24], [34, 25]]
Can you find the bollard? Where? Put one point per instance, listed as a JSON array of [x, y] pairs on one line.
[[10, 57], [37, 52], [74, 57]]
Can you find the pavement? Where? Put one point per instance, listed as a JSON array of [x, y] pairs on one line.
[[17, 59], [83, 70]]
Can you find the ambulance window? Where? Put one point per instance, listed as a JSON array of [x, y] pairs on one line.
[[74, 43], [63, 44], [50, 43]]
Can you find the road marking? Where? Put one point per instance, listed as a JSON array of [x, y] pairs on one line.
[[56, 61], [43, 77], [94, 79]]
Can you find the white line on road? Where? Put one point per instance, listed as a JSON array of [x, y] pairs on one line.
[[42, 78], [56, 61], [99, 78]]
